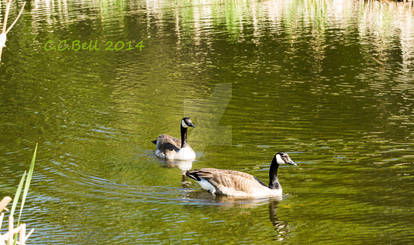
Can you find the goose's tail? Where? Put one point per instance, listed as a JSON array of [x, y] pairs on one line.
[[193, 175]]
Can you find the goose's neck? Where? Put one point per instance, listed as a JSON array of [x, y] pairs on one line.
[[183, 136], [273, 180]]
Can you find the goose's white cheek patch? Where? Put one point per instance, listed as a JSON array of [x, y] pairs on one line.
[[279, 159]]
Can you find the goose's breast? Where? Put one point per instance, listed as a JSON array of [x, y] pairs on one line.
[[185, 153]]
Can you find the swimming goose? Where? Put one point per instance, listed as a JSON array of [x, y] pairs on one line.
[[172, 148], [239, 184]]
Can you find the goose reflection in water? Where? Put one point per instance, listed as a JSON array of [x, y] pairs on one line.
[[183, 165], [280, 227]]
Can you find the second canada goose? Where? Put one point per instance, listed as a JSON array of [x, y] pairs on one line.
[[239, 184], [172, 148]]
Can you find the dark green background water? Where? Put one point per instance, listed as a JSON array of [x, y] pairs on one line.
[[329, 82]]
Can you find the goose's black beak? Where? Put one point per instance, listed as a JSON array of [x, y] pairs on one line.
[[191, 125], [287, 160], [292, 163]]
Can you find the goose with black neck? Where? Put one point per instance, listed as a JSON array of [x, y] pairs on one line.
[[239, 184], [171, 148]]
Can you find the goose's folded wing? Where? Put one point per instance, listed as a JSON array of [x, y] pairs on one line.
[[167, 142], [229, 180]]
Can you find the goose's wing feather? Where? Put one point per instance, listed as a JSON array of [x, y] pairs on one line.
[[168, 143], [227, 181]]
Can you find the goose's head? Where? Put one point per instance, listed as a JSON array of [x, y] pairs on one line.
[[283, 158], [186, 122]]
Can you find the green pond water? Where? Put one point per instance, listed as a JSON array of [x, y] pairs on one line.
[[329, 82]]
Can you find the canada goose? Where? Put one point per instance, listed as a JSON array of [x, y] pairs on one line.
[[172, 148], [239, 184]]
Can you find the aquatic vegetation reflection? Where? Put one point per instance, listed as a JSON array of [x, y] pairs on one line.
[[376, 21]]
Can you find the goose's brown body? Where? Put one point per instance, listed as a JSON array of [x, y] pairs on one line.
[[231, 183], [239, 184], [169, 147]]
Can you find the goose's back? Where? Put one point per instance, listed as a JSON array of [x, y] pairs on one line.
[[234, 183], [167, 146]]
